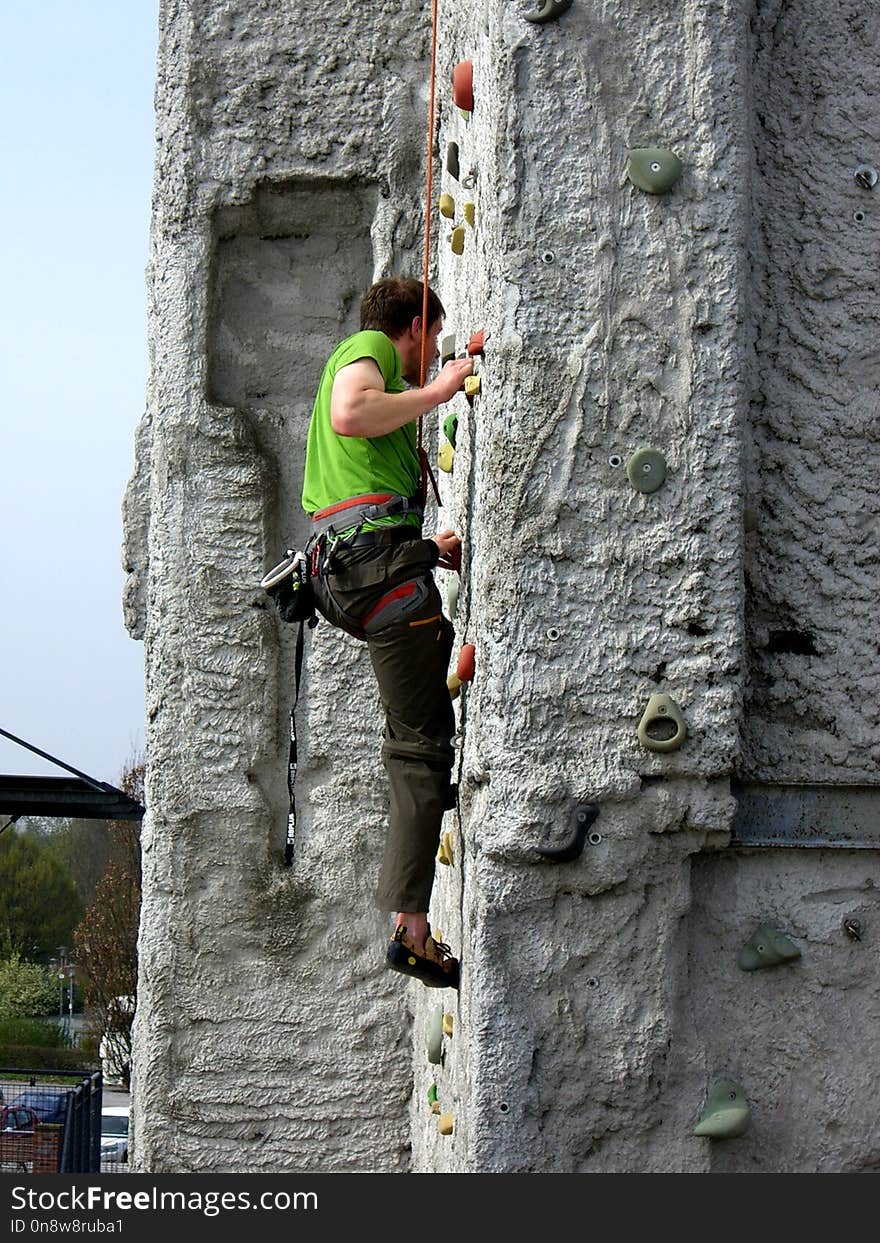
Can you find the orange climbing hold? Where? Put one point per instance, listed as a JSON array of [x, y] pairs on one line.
[[464, 670], [477, 343], [463, 85]]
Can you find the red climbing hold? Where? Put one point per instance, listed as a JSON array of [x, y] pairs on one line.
[[477, 343], [465, 667], [463, 85]]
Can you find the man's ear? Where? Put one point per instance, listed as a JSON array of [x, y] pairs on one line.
[[416, 326]]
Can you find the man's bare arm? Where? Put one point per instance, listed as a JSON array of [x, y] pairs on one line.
[[359, 405]]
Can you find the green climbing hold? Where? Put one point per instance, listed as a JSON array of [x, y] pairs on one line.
[[767, 948], [662, 727], [435, 1036], [450, 426], [726, 1113], [653, 169], [646, 470], [432, 1093]]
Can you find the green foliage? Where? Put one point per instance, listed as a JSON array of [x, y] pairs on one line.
[[33, 1033], [41, 1057], [40, 906], [26, 989], [82, 847]]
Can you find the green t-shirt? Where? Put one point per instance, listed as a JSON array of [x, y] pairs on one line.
[[341, 466]]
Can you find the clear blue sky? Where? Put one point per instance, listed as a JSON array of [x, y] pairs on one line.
[[77, 120]]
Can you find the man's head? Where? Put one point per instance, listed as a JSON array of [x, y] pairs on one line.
[[394, 306]]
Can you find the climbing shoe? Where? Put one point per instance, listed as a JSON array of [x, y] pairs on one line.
[[434, 965]]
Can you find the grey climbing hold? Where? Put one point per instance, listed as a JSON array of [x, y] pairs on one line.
[[435, 1036], [653, 169], [646, 470], [866, 176], [726, 1112], [662, 727], [767, 948], [447, 348], [548, 12], [452, 160], [584, 815]]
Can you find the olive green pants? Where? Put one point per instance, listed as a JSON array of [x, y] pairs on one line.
[[410, 658]]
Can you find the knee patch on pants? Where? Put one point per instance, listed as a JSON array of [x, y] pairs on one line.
[[398, 603]]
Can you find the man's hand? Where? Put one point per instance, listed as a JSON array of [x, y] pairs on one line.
[[451, 379], [450, 549]]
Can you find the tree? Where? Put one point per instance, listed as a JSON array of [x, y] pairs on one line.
[[26, 989], [82, 846], [40, 907], [106, 939]]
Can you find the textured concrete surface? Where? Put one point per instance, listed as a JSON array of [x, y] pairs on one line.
[[728, 324]]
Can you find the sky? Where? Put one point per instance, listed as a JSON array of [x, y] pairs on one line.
[[76, 89]]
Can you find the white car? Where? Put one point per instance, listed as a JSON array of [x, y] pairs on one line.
[[114, 1133]]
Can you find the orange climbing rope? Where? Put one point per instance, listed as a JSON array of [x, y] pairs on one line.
[[427, 473]]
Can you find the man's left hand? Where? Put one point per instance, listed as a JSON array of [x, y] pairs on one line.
[[450, 550]]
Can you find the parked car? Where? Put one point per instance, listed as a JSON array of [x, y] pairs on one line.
[[114, 1133], [18, 1118], [49, 1103]]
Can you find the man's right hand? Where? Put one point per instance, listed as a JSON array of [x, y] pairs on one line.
[[451, 379]]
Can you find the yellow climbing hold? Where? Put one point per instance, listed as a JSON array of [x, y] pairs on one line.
[[454, 684], [471, 385], [469, 211], [447, 1025], [456, 241], [446, 456], [444, 852], [447, 206], [445, 1124]]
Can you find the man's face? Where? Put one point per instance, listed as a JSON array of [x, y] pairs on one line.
[[411, 357]]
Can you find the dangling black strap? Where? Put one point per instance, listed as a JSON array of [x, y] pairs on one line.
[[292, 758]]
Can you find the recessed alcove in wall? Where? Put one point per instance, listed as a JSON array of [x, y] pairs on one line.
[[287, 274]]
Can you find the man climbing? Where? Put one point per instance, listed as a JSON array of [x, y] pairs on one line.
[[363, 489]]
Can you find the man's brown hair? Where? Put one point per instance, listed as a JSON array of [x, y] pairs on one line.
[[390, 306]]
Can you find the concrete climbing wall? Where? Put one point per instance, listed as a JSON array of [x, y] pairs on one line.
[[727, 324], [268, 1035]]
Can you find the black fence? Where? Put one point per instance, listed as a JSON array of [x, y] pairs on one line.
[[50, 1121]]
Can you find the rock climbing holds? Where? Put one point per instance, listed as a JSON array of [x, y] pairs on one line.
[[549, 11], [447, 348], [469, 211], [653, 169], [584, 815], [435, 1036], [866, 176], [767, 948], [447, 206], [456, 240], [477, 344], [432, 1094], [446, 457], [446, 1124], [452, 591], [646, 470], [662, 727], [466, 662], [444, 850], [471, 385], [447, 1025], [726, 1113], [452, 160], [450, 428], [463, 85], [454, 684]]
